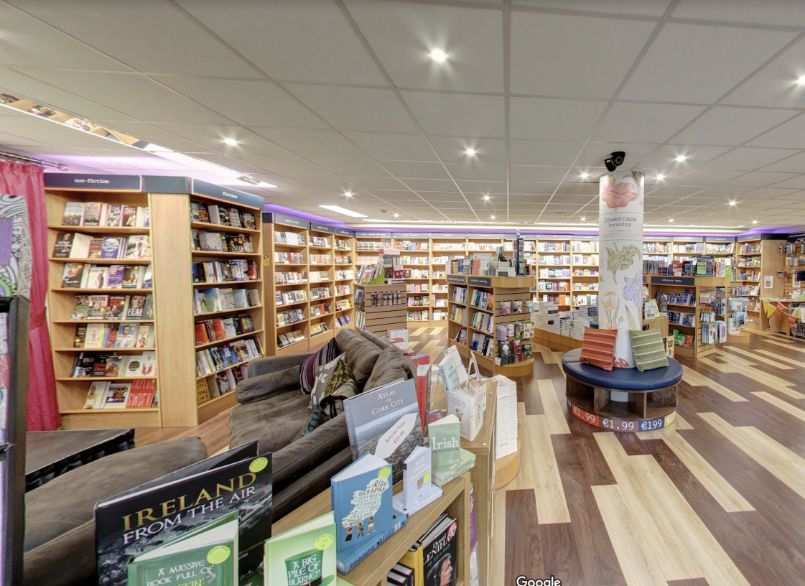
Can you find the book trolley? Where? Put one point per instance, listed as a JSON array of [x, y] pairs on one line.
[[177, 375], [502, 289]]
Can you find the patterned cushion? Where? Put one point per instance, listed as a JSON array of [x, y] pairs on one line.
[[598, 348], [311, 365], [648, 349]]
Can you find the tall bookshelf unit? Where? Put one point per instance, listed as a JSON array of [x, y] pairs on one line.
[[418, 284], [169, 202], [759, 255], [584, 261], [554, 254], [311, 282]]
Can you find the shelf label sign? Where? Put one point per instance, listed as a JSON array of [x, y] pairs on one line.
[[291, 221], [615, 424], [480, 281], [688, 239], [321, 227], [110, 182], [686, 281], [457, 279], [227, 194], [373, 234], [343, 232]]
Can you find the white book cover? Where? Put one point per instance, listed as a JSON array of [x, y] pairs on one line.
[[418, 491], [96, 394], [80, 248], [95, 335], [148, 364]]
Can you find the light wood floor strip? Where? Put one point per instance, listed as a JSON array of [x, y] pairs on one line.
[[431, 346], [763, 378], [551, 503], [639, 567], [785, 465], [697, 379], [436, 331], [525, 477], [754, 356], [800, 363], [497, 541], [795, 347], [419, 331], [777, 402], [550, 405]]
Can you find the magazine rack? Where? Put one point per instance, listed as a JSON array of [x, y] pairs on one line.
[[380, 318], [372, 571]]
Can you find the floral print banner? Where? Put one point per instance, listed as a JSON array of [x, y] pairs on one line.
[[620, 295]]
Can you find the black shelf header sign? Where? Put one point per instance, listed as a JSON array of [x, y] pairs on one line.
[[719, 239], [227, 194], [457, 279], [373, 234], [343, 232], [683, 281], [80, 181], [321, 227], [291, 221], [480, 281]]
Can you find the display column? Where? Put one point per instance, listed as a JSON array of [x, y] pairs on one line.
[[620, 220]]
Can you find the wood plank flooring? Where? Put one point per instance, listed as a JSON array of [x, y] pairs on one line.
[[718, 498]]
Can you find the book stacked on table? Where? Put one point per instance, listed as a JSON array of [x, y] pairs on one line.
[[449, 460]]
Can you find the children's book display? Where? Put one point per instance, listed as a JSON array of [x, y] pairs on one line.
[[170, 520], [364, 516], [418, 491], [385, 422], [302, 555]]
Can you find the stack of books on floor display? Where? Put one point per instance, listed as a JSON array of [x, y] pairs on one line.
[[575, 322], [546, 316], [506, 417], [220, 518]]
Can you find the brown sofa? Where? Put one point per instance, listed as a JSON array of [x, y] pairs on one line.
[[273, 410]]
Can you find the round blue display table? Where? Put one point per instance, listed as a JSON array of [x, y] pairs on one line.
[[649, 399]]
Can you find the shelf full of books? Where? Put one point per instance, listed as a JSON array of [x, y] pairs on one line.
[[310, 269], [127, 276]]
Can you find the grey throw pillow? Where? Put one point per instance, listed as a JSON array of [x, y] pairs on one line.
[[265, 386]]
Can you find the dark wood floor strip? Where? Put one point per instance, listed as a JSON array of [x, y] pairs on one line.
[[523, 546], [559, 555]]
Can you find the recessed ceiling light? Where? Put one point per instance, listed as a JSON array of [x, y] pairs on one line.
[[346, 212], [471, 152], [231, 142], [348, 193], [671, 220], [754, 221], [660, 177], [396, 215], [486, 198], [801, 80], [681, 158], [438, 55], [583, 219], [732, 203], [493, 217], [584, 175]]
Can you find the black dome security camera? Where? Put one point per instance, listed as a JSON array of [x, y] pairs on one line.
[[615, 160]]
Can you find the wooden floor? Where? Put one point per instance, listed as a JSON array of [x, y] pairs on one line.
[[716, 499]]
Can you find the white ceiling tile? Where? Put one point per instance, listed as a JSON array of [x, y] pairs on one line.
[[459, 115], [420, 185], [581, 72], [653, 123], [282, 165], [414, 170], [398, 147], [534, 118], [524, 188], [595, 153], [788, 135], [211, 137], [776, 84], [766, 193], [535, 174], [731, 126], [346, 108], [796, 183], [24, 125], [230, 163], [578, 200], [488, 151], [402, 36], [437, 196], [795, 164], [132, 95], [747, 159], [322, 180], [160, 137], [495, 189], [781, 12], [473, 172], [760, 179], [357, 167], [543, 152], [372, 183], [12, 140], [722, 191], [706, 177], [526, 199], [258, 103], [663, 160], [311, 142], [30, 42], [638, 7], [291, 40], [698, 64], [577, 189], [148, 35]]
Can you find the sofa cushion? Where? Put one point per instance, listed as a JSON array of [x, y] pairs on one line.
[[265, 386], [311, 365], [392, 364], [274, 423], [329, 378], [648, 349], [598, 347], [59, 516], [361, 354]]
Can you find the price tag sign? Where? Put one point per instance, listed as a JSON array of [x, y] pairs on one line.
[[615, 424]]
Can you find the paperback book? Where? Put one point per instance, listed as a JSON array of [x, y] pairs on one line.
[[418, 491], [303, 555]]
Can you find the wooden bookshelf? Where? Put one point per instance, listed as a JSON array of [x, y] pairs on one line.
[[168, 201], [379, 319], [419, 285], [584, 268], [550, 249], [318, 274]]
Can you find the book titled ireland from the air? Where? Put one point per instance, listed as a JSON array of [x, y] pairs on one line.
[[153, 514], [207, 555], [385, 422]]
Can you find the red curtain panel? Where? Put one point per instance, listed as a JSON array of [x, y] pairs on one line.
[[28, 181]]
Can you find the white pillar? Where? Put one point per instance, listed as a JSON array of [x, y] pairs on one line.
[[620, 217]]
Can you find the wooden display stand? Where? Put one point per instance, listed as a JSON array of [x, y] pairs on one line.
[[550, 246], [507, 468], [168, 199], [373, 570], [335, 275], [502, 289], [381, 318], [770, 263]]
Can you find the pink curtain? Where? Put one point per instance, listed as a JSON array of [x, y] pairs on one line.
[[28, 181]]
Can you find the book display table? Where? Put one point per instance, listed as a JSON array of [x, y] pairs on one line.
[[623, 399], [372, 571], [562, 343]]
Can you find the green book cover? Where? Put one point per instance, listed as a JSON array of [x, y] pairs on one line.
[[207, 555], [303, 555], [445, 443], [466, 462]]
